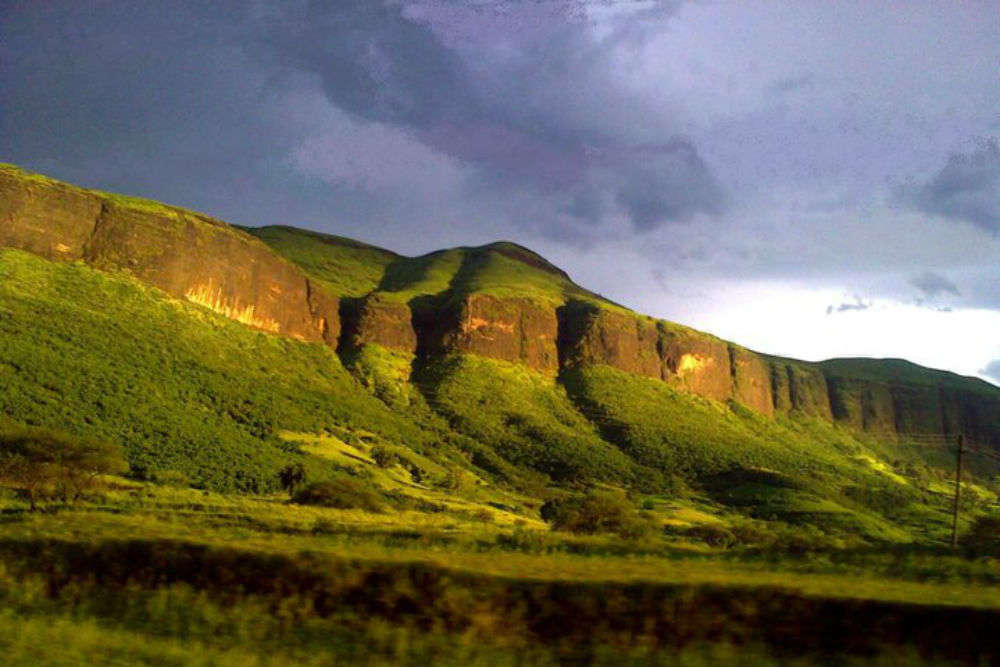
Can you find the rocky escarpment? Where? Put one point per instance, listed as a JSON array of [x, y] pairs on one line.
[[537, 317], [906, 399], [187, 255]]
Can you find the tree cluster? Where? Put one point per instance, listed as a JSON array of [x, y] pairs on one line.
[[49, 464]]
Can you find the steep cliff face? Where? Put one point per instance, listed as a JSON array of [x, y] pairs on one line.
[[380, 320], [510, 329], [592, 335], [799, 386], [751, 380], [696, 362], [46, 217], [187, 255], [896, 397], [684, 358], [863, 405]]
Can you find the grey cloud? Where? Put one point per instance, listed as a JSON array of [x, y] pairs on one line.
[[523, 122], [932, 284], [673, 183], [992, 370], [791, 84], [966, 188], [844, 307]]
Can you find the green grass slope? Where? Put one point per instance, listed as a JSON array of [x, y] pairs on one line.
[[901, 371], [344, 266]]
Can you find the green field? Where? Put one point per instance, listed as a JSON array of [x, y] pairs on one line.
[[147, 574]]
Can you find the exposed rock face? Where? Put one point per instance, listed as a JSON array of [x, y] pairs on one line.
[[377, 319], [862, 405], [751, 380], [186, 255], [696, 363], [684, 358], [46, 218], [799, 386], [511, 329], [591, 335]]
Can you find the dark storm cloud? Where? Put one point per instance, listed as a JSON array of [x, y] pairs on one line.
[[966, 188], [376, 63], [155, 99], [545, 121], [932, 284]]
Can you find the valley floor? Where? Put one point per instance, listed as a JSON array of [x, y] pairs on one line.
[[157, 575]]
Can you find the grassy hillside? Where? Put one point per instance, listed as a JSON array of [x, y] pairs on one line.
[[792, 469], [180, 387], [900, 371], [350, 268], [344, 266]]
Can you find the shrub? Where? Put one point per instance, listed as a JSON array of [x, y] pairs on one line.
[[451, 481], [595, 512], [341, 493], [483, 515], [384, 457], [983, 537], [713, 536], [170, 478], [325, 527]]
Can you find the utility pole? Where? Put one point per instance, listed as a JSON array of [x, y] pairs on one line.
[[958, 492]]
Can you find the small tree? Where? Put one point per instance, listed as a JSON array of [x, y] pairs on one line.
[[596, 512], [292, 477], [983, 538], [50, 463]]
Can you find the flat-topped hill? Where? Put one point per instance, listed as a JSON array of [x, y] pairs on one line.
[[493, 345]]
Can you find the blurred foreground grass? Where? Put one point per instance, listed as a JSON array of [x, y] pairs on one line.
[[152, 575]]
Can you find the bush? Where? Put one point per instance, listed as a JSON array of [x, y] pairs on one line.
[[983, 537], [46, 463], [384, 457], [325, 527], [713, 536], [596, 512], [341, 493], [170, 478]]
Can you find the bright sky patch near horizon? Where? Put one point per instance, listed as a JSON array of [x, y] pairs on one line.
[[807, 178]]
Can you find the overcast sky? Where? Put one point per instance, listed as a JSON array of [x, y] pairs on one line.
[[812, 179]]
